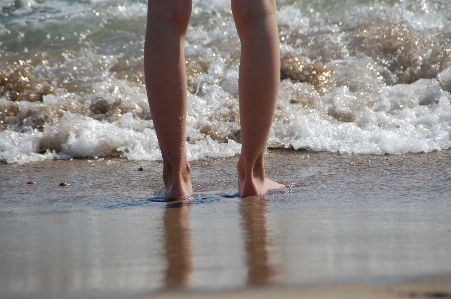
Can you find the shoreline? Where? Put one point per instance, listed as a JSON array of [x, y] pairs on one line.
[[86, 182]]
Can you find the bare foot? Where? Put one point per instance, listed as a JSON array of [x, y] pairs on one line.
[[176, 184], [254, 182], [257, 187]]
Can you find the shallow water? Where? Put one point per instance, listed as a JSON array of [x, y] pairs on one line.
[[369, 77], [343, 219]]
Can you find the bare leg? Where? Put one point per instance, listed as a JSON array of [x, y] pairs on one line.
[[165, 74], [258, 86]]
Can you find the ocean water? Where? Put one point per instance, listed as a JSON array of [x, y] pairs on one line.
[[364, 77]]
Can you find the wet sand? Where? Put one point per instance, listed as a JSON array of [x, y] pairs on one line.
[[96, 182], [439, 287], [347, 226]]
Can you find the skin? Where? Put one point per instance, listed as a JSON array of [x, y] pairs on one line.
[[165, 74]]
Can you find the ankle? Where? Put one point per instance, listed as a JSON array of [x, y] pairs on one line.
[[173, 174], [251, 170], [177, 183]]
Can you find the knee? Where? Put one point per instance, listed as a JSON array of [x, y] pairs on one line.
[[175, 12], [245, 11]]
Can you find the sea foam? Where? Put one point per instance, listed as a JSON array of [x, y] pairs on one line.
[[368, 78]]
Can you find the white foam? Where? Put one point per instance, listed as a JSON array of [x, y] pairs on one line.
[[364, 112], [291, 16], [392, 120], [211, 6], [21, 147], [125, 11], [444, 79]]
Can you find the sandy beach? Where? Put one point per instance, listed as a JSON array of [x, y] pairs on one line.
[[346, 226]]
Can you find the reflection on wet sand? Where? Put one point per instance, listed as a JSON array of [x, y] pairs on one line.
[[178, 248], [253, 210], [177, 245]]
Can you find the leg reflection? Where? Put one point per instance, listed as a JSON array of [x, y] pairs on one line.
[[254, 227], [177, 246]]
